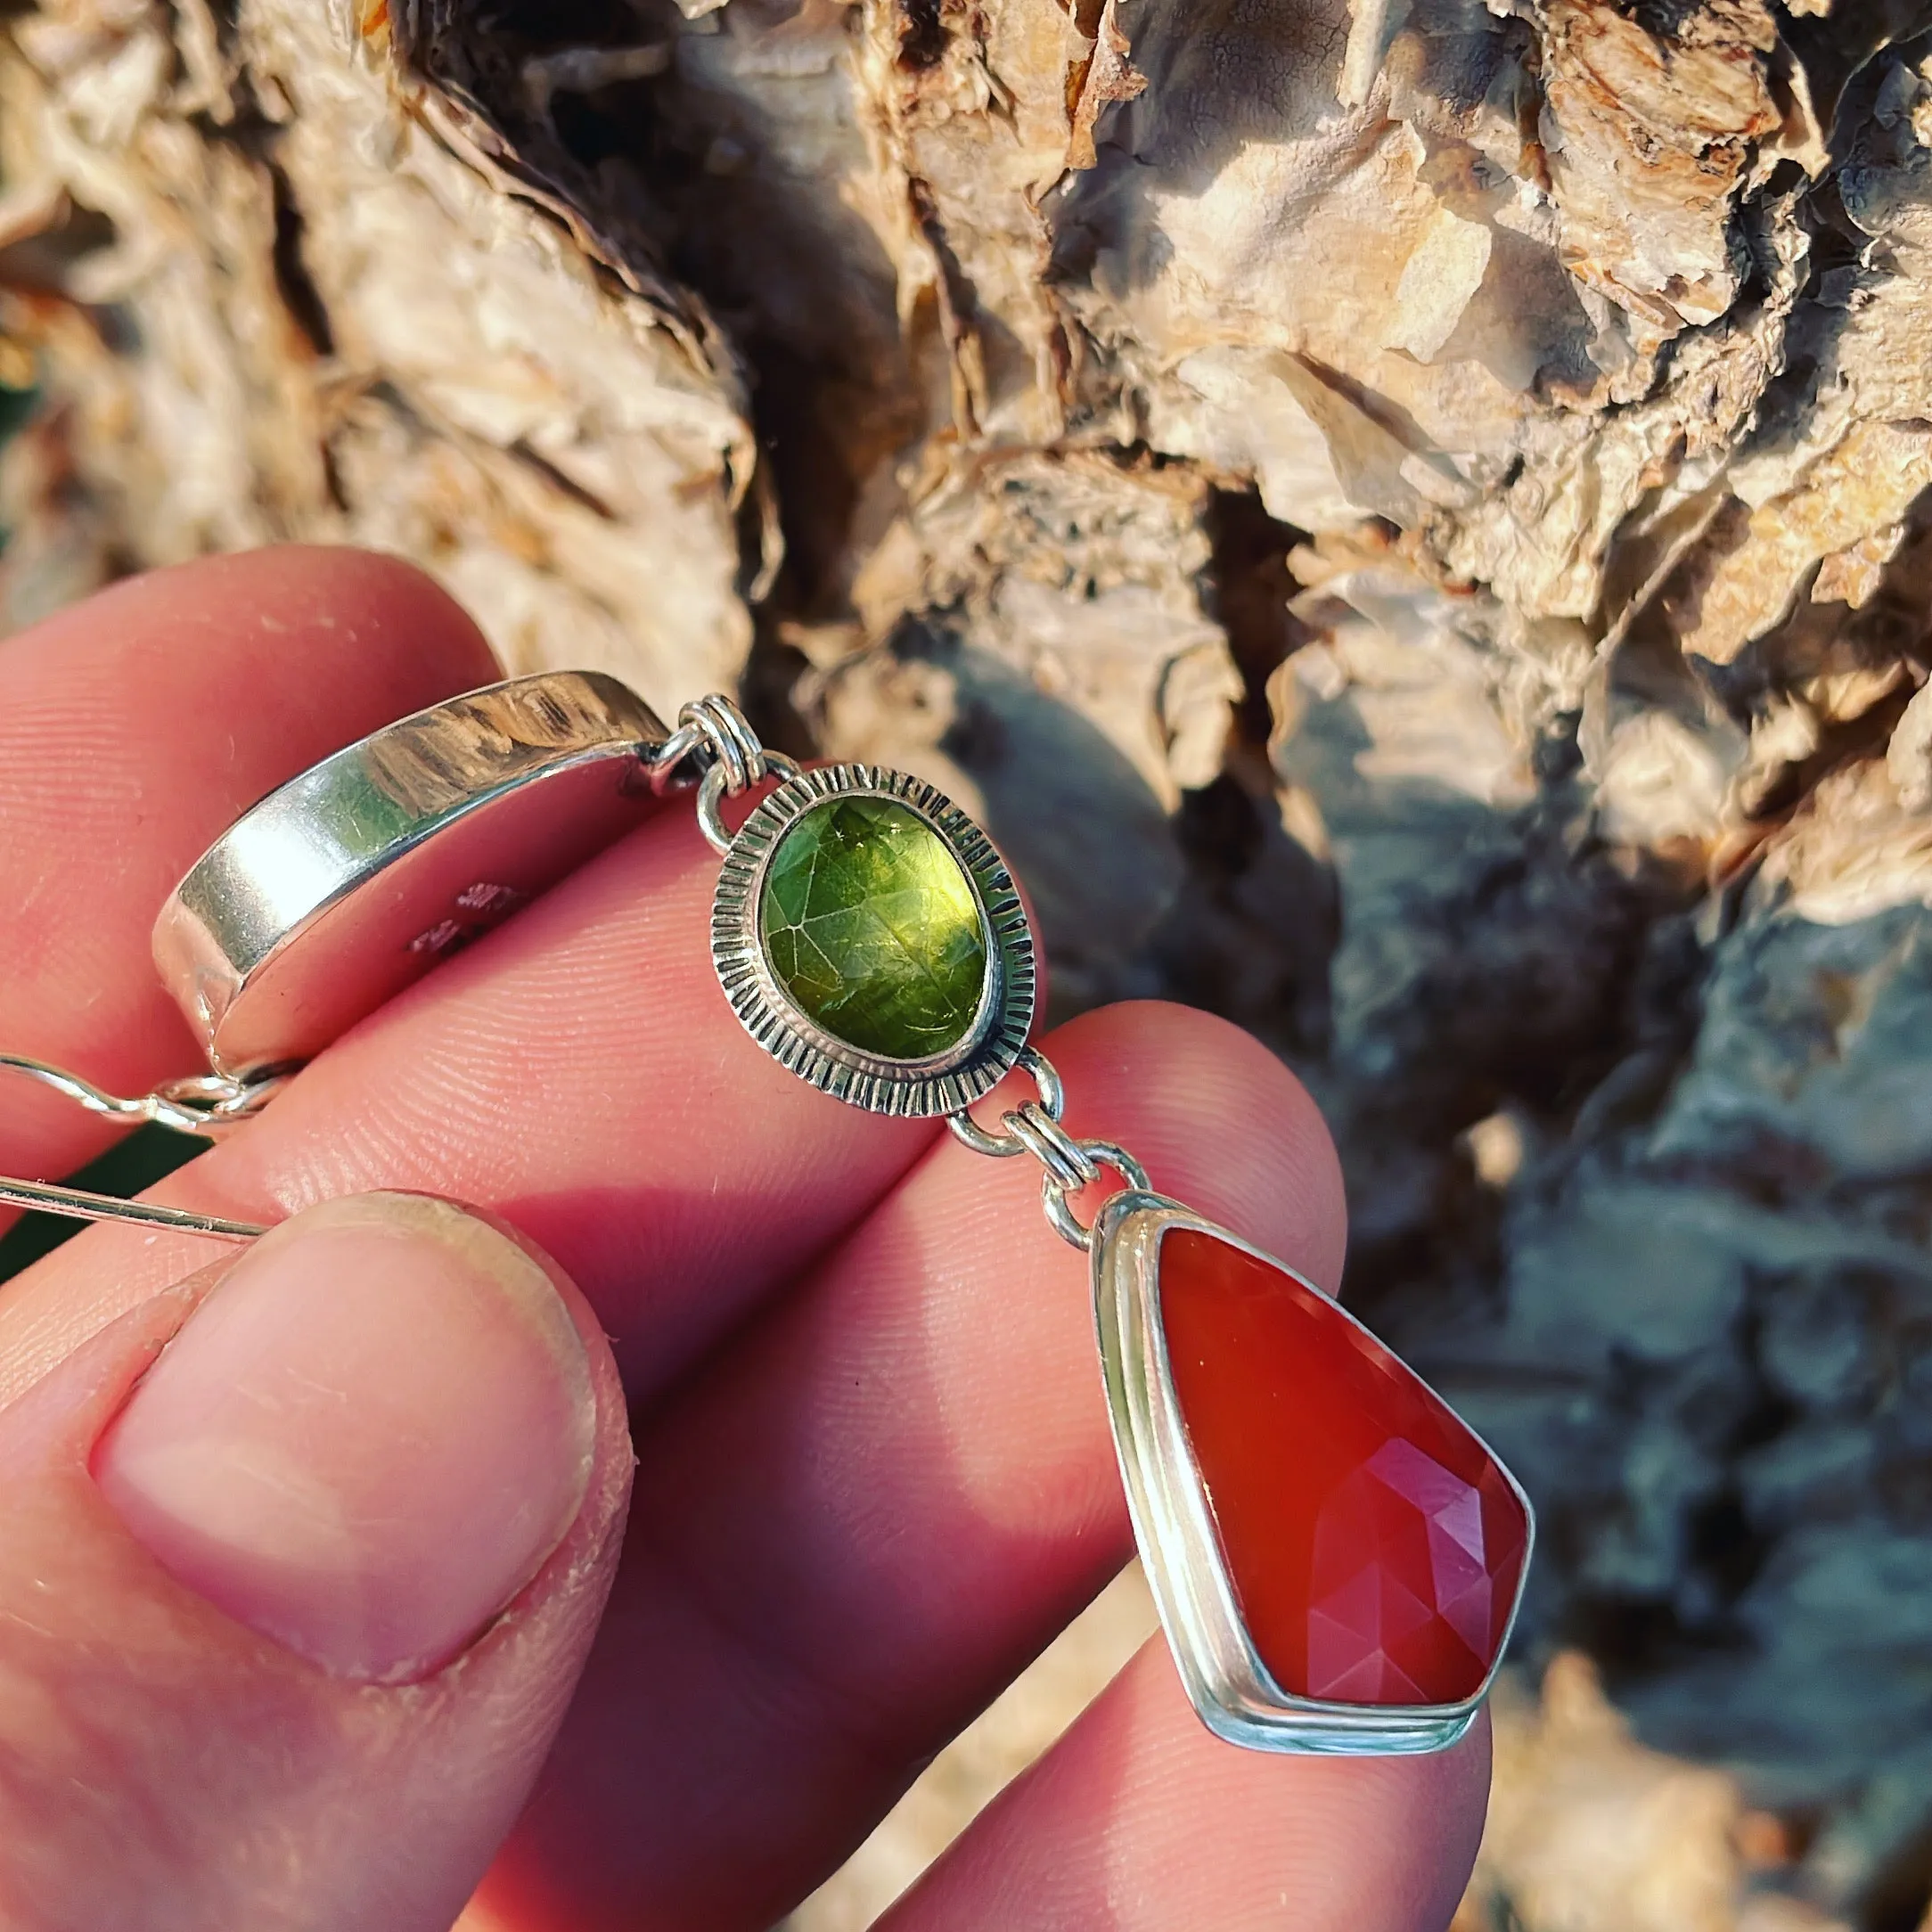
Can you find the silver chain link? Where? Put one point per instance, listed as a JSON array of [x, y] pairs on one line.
[[1052, 1102], [1064, 1159], [1034, 1127], [715, 749]]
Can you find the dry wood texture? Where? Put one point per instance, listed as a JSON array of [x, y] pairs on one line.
[[1408, 520]]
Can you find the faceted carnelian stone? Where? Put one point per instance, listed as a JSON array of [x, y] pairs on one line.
[[1374, 1544]]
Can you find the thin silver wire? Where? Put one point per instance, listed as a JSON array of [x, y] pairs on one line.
[[206, 1103], [82, 1093], [77, 1204], [667, 765], [202, 1104]]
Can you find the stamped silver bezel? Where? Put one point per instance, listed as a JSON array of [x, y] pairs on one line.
[[940, 1084], [1228, 1684]]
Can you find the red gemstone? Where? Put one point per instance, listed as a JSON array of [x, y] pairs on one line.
[[1374, 1544]]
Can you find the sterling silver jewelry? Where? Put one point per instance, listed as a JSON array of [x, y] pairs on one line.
[[1337, 1559]]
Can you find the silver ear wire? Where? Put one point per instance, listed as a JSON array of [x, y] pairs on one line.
[[203, 1104], [77, 1204]]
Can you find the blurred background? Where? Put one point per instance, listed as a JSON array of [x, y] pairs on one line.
[[1408, 520]]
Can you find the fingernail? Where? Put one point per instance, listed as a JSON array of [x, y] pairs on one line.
[[366, 1441]]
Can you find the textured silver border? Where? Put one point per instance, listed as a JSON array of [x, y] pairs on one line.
[[943, 1083], [1226, 1680]]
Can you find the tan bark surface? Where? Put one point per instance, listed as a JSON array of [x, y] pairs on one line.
[[1410, 521]]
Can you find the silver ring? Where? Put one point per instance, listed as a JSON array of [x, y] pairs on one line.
[[712, 725], [1054, 1196], [717, 784], [728, 732], [663, 766], [1053, 1102], [1063, 1157]]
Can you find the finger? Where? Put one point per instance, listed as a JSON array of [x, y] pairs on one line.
[[1138, 1821], [298, 1566], [578, 1071], [872, 1511], [132, 729]]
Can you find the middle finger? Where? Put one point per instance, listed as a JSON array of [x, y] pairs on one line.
[[872, 1509]]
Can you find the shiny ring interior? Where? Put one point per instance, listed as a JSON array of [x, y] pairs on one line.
[[274, 943]]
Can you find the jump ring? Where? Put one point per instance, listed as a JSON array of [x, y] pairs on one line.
[[665, 767], [728, 732], [1052, 1101], [715, 784], [1063, 1157], [1060, 1210], [710, 818]]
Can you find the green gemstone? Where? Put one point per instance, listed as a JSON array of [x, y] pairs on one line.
[[870, 927]]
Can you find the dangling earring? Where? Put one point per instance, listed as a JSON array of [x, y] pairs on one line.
[[1336, 1559]]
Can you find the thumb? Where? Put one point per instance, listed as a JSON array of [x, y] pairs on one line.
[[299, 1563]]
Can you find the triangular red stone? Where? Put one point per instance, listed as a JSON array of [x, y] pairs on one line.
[[1375, 1546]]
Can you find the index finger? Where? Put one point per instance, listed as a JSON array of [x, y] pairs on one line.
[[578, 1070]]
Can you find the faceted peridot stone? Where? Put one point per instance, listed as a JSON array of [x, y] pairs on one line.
[[870, 927]]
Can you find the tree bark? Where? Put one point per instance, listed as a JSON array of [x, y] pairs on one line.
[[1410, 521]]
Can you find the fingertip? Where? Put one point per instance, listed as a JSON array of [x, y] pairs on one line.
[[1139, 1818], [281, 1535], [368, 1441], [359, 612], [616, 1460]]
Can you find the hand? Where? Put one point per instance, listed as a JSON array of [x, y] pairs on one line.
[[303, 1549]]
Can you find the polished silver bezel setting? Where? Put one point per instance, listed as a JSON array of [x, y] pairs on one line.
[[941, 1084], [1227, 1682], [326, 897]]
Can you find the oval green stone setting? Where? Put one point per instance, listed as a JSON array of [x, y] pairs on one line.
[[871, 929]]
